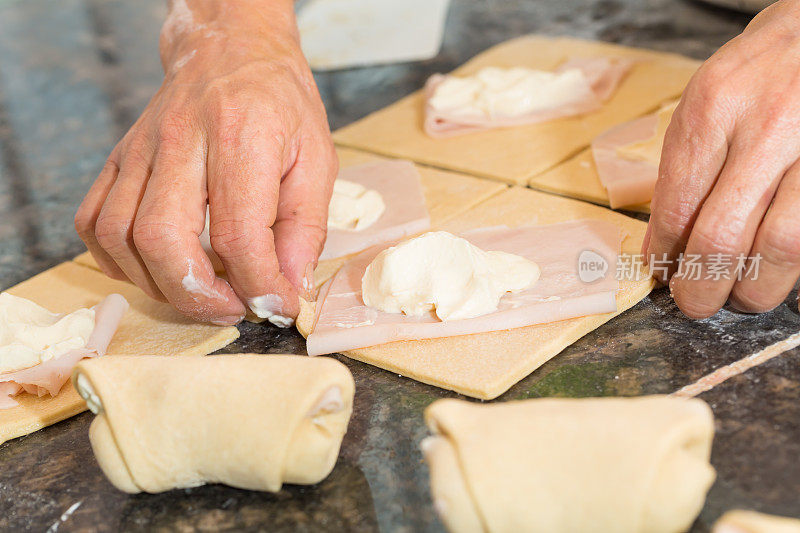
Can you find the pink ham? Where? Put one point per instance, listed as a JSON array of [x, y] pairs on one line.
[[627, 181], [343, 322], [50, 376], [398, 182], [603, 74]]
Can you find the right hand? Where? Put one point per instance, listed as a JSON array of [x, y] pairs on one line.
[[237, 124]]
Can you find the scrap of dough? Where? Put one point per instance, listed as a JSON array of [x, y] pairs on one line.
[[739, 521], [515, 155], [246, 420], [354, 206], [148, 327], [629, 465], [348, 33], [446, 274], [486, 365]]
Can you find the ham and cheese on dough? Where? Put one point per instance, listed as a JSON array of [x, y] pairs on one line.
[[576, 265], [374, 203], [38, 349], [496, 97], [627, 157]]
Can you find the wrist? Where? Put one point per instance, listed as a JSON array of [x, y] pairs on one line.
[[254, 25]]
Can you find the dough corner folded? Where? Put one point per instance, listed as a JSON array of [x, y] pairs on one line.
[[639, 465], [245, 420]]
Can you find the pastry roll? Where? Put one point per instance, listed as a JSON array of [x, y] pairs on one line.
[[566, 465], [752, 522], [249, 421]]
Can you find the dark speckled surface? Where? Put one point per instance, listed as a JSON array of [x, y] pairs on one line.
[[73, 76]]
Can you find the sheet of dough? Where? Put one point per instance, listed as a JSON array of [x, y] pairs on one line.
[[446, 195], [488, 364], [577, 178], [515, 155], [148, 327], [250, 421], [627, 465], [739, 521]]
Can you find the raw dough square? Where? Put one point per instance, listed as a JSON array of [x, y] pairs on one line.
[[577, 178], [515, 155], [149, 327], [488, 364]]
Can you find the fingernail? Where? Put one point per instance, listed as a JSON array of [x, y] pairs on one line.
[[308, 282], [227, 320]]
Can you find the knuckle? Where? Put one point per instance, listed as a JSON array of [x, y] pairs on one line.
[[84, 222], [694, 308], [153, 236], [717, 239], [173, 126], [781, 244], [233, 238], [112, 232]]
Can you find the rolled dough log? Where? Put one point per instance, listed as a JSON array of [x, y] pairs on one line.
[[751, 522], [147, 327], [638, 465], [486, 365], [249, 421], [515, 155]]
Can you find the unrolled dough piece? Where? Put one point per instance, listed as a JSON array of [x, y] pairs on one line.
[[515, 155], [486, 365], [577, 178], [751, 522], [447, 194], [249, 421], [627, 465], [147, 327]]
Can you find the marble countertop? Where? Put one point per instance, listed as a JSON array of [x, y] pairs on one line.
[[75, 74]]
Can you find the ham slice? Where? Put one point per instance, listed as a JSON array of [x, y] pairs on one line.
[[603, 75], [343, 322], [49, 376], [627, 158], [398, 182]]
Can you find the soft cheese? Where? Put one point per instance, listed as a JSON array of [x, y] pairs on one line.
[[441, 273], [353, 206], [30, 334], [497, 92]]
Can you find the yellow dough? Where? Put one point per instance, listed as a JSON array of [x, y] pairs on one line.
[[249, 421], [751, 522], [627, 465], [515, 155], [446, 195], [486, 365], [148, 327]]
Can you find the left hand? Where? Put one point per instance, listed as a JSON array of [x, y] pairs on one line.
[[729, 180]]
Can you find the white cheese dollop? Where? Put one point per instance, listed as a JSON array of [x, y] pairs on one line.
[[353, 206], [497, 92], [448, 275], [30, 334]]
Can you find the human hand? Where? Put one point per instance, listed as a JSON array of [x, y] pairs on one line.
[[729, 179], [237, 125]]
